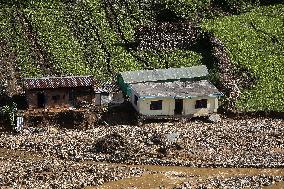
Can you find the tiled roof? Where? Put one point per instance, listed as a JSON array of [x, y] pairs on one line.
[[58, 82], [176, 89], [164, 74]]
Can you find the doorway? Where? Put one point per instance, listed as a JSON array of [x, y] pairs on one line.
[[40, 100], [178, 106]]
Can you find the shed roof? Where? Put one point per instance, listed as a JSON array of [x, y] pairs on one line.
[[58, 82], [176, 89], [164, 74]]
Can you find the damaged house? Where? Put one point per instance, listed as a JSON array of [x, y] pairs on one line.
[[174, 92], [60, 92]]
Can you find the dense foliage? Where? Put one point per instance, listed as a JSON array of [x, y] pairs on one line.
[[97, 37], [14, 43], [255, 41], [83, 37]]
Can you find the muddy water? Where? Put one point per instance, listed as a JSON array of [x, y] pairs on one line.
[[170, 176], [156, 176]]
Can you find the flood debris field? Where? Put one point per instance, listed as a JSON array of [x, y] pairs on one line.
[[71, 154], [257, 142], [54, 173]]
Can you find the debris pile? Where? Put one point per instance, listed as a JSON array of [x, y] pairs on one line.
[[110, 143], [256, 142]]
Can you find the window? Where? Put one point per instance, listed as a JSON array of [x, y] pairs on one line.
[[55, 98], [201, 104], [135, 99], [156, 105]]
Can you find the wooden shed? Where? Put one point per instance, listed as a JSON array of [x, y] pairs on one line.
[[59, 92]]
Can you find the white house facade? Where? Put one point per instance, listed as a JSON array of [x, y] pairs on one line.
[[175, 98]]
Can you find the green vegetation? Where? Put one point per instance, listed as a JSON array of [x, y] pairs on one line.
[[174, 58], [97, 37], [84, 38], [14, 43], [55, 36], [255, 41]]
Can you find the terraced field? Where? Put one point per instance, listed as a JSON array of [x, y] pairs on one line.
[[78, 39], [255, 41]]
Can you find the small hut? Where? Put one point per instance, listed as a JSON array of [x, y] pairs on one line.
[[60, 92]]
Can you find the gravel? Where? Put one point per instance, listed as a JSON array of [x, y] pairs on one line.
[[59, 174], [255, 142]]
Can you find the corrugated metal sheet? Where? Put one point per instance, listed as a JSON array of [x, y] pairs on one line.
[[176, 89], [58, 82], [164, 74]]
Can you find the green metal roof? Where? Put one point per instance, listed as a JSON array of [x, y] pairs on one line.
[[164, 74]]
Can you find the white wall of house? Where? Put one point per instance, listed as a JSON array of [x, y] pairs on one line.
[[189, 106], [168, 106]]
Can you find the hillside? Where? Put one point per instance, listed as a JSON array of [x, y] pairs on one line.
[[103, 37], [255, 41]]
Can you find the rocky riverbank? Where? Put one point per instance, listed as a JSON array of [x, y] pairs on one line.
[[255, 142], [52, 173]]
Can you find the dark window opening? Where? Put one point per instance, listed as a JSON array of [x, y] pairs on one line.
[[55, 98], [41, 100], [201, 104], [135, 99], [156, 105]]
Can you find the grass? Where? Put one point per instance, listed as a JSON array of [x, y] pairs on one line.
[[82, 39], [255, 41], [16, 43], [54, 34]]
